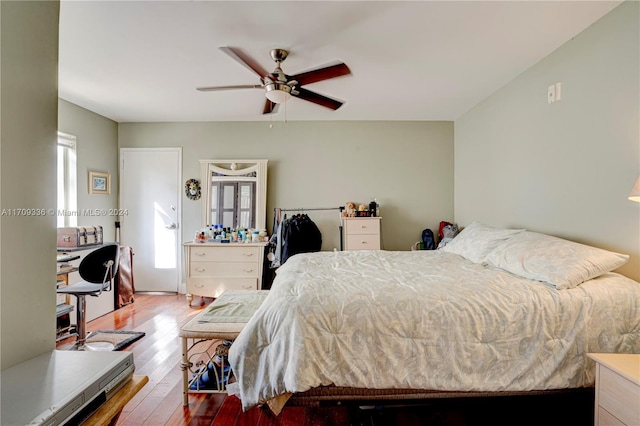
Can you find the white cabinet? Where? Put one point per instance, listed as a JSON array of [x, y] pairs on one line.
[[617, 389], [362, 233], [213, 268]]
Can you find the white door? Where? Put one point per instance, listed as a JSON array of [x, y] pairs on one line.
[[150, 183]]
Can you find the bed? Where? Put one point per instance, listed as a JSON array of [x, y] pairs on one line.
[[496, 310]]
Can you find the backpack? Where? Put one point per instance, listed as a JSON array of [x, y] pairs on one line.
[[428, 240]]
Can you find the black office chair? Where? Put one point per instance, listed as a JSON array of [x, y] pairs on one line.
[[97, 270]]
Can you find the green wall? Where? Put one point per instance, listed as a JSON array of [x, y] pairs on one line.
[[97, 151], [29, 57], [564, 168], [407, 166]]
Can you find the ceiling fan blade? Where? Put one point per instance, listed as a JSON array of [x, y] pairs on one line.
[[317, 98], [245, 60], [270, 107], [241, 86], [320, 74]]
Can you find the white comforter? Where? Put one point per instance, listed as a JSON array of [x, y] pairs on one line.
[[427, 320]]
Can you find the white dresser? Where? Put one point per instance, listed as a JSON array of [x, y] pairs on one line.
[[617, 389], [213, 268], [362, 233]]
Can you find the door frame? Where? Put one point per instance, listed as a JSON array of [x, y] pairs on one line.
[[181, 286]]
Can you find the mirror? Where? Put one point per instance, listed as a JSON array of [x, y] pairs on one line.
[[235, 193]]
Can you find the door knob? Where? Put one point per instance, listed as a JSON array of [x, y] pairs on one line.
[[172, 226]]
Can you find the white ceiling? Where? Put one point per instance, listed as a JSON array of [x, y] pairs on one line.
[[140, 61]]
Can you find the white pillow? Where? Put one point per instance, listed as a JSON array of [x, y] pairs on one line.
[[562, 263], [476, 241]]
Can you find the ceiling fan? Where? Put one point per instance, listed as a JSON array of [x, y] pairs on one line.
[[279, 86]]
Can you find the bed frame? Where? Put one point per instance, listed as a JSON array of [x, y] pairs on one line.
[[327, 395]]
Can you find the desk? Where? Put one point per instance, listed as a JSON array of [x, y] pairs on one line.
[[64, 267], [63, 258], [109, 412], [63, 303], [64, 271]]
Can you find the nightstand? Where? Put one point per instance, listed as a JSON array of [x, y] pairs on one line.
[[617, 389], [362, 233]]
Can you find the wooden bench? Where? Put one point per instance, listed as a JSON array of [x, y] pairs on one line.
[[206, 339]]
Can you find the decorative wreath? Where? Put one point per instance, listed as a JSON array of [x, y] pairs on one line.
[[192, 189]]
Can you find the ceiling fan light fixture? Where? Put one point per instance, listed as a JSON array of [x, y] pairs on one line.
[[277, 92]]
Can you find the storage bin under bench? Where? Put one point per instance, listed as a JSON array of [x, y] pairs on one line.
[[203, 337]]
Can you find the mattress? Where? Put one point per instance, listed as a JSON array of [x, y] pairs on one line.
[[427, 320]]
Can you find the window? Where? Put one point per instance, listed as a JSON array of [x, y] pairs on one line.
[[67, 181], [233, 203]]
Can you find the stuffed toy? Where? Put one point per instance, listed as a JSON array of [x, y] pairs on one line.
[[448, 233], [350, 209]]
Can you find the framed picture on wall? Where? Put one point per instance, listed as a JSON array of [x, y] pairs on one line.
[[99, 183]]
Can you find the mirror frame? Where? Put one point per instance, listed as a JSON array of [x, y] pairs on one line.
[[235, 168]]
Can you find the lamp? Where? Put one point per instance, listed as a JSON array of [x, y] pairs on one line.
[[634, 195], [278, 92]]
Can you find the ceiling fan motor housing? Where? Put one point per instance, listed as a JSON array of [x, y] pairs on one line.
[[279, 55], [271, 86]]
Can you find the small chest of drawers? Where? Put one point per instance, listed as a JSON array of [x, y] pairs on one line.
[[362, 233], [617, 389], [214, 268]]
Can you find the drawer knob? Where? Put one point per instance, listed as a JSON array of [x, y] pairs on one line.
[[199, 285], [248, 270], [363, 242], [200, 269], [199, 253], [248, 254], [363, 226]]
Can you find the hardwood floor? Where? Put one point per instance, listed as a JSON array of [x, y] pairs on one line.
[[159, 353]]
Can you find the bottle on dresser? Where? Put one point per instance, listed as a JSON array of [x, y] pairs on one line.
[[374, 208]]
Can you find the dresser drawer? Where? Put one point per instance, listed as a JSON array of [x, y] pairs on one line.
[[214, 287], [363, 242], [225, 253], [362, 226], [223, 269], [605, 418], [619, 396]]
